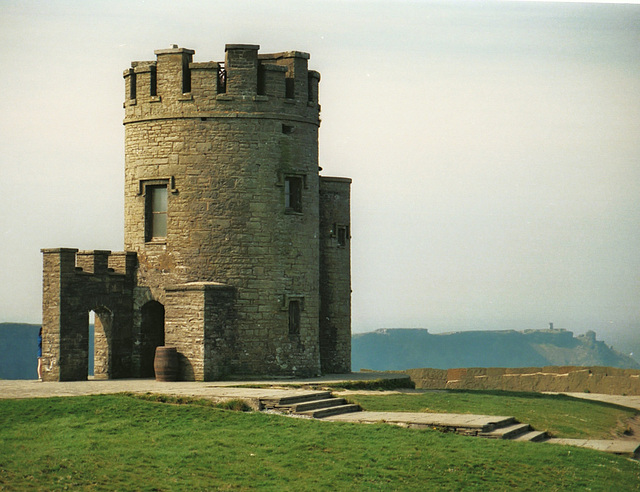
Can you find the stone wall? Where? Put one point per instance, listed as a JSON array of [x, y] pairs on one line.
[[75, 283], [225, 151], [201, 323], [335, 275], [606, 380], [223, 230]]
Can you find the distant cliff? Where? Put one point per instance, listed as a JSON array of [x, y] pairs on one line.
[[398, 349], [19, 350]]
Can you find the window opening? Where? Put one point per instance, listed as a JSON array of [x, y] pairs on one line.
[[287, 129], [153, 82], [186, 77], [293, 194], [289, 88], [222, 79], [343, 234], [294, 317], [132, 85], [156, 219], [262, 86]]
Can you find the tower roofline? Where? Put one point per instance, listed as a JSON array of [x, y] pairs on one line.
[[232, 46], [174, 50]]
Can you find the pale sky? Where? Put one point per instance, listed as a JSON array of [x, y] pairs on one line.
[[494, 146]]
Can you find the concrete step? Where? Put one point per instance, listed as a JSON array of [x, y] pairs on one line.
[[316, 404], [287, 401], [507, 432], [498, 423], [623, 448], [533, 436], [329, 411]]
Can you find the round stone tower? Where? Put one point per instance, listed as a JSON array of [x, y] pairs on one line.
[[222, 200]]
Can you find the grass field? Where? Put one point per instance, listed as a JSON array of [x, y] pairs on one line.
[[559, 415], [119, 442]]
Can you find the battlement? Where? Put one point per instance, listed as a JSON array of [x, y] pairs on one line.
[[96, 262], [246, 83]]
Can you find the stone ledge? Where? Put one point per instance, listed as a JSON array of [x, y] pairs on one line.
[[198, 286]]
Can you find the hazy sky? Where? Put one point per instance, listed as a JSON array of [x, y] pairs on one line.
[[494, 146]]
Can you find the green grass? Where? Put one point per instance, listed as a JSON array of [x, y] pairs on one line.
[[236, 405], [117, 442], [559, 415]]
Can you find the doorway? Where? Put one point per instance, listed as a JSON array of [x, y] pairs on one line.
[[152, 336], [100, 353]]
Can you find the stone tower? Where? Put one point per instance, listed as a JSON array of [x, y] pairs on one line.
[[242, 248], [222, 207]]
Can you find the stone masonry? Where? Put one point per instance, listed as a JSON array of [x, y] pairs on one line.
[[237, 250]]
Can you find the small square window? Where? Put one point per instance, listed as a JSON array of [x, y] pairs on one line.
[[340, 233], [293, 194], [343, 235]]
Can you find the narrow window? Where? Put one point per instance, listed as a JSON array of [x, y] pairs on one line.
[[293, 194], [310, 88], [342, 235], [222, 79], [262, 85], [153, 83], [287, 129], [132, 85], [294, 317], [156, 212], [186, 77], [289, 88]]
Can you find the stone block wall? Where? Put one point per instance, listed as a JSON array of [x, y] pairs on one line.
[[223, 158], [335, 275], [592, 379], [225, 153], [75, 283], [201, 323]]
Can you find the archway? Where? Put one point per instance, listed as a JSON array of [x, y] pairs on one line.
[[152, 335], [102, 339]]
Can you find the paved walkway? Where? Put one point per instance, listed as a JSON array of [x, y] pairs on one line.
[[213, 389], [628, 448], [423, 419], [624, 401]]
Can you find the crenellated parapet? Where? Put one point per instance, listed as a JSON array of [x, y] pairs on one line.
[[68, 261], [246, 84]]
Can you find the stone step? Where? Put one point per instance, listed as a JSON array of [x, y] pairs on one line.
[[329, 411], [533, 436], [507, 432], [287, 401], [499, 423], [316, 404]]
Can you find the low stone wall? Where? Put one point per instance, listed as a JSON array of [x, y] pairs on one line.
[[607, 380]]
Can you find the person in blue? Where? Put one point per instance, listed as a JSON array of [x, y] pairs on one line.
[[40, 355]]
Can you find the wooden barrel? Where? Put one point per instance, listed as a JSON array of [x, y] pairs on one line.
[[165, 364]]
